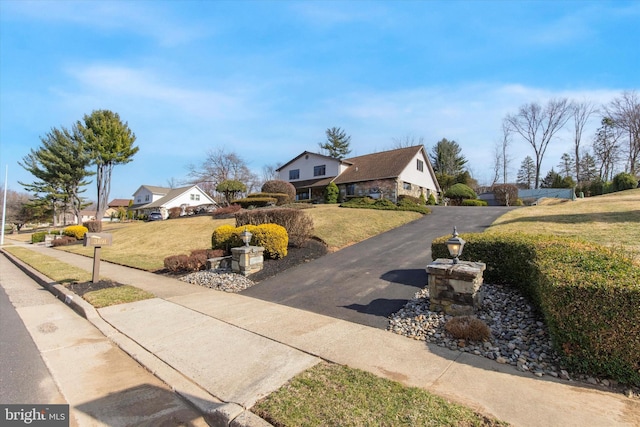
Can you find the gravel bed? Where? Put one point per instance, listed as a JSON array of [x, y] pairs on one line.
[[519, 337], [219, 279]]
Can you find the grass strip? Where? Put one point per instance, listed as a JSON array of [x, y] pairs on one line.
[[51, 267], [336, 395]]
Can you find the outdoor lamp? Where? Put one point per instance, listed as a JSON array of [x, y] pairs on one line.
[[455, 245], [246, 236]]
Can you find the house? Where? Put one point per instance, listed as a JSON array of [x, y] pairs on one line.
[[149, 199], [114, 206], [387, 174]]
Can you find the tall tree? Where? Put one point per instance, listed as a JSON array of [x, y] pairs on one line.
[[407, 141], [581, 112], [538, 125], [606, 148], [504, 145], [588, 168], [218, 166], [625, 113], [566, 165], [446, 157], [60, 165], [111, 143], [527, 173], [337, 143]]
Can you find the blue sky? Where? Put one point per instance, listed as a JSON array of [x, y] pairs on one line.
[[265, 79]]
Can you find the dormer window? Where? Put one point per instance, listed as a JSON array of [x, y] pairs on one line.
[[320, 170]]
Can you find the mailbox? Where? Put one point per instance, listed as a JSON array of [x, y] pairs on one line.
[[97, 239]]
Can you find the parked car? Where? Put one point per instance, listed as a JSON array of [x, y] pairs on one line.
[[155, 216]]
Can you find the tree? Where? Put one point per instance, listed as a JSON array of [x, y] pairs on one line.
[[16, 212], [446, 157], [624, 181], [555, 180], [331, 193], [407, 141], [269, 172], [625, 113], [337, 144], [231, 188], [527, 173], [459, 192], [538, 126], [506, 194], [220, 165], [111, 143], [566, 165], [606, 148], [60, 165], [581, 112], [503, 156], [588, 169]]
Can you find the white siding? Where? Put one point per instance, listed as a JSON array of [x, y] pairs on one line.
[[144, 196], [414, 176], [306, 164]]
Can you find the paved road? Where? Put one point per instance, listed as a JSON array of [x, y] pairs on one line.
[[367, 282]]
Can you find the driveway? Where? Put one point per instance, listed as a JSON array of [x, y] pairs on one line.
[[366, 282]]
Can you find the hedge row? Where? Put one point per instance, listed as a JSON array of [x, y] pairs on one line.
[[405, 204], [272, 237], [298, 224], [588, 294], [256, 202], [281, 198]]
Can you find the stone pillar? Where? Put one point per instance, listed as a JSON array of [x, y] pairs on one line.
[[455, 289], [247, 259]]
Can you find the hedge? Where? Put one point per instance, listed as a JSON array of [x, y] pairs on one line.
[[272, 237], [281, 198], [77, 231], [298, 224], [589, 295], [256, 202]]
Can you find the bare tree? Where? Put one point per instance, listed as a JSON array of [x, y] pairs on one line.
[[606, 148], [538, 125], [625, 113], [497, 163], [407, 141], [218, 166], [269, 172], [504, 145], [581, 112]]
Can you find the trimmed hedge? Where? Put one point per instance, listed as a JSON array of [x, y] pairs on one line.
[[588, 294], [281, 198], [256, 202], [474, 202], [77, 231], [298, 224], [384, 204], [272, 237]]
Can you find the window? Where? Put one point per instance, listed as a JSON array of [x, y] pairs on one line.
[[319, 170], [195, 197], [351, 189], [420, 165], [407, 186], [294, 174], [146, 198]]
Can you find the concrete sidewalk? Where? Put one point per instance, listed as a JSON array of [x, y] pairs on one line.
[[239, 349]]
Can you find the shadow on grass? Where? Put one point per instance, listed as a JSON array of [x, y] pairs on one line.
[[607, 217]]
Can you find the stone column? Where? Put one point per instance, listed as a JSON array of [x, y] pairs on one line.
[[247, 259], [455, 289]]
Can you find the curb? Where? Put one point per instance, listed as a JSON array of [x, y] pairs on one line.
[[215, 412]]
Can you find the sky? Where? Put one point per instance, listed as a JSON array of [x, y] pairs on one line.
[[265, 79]]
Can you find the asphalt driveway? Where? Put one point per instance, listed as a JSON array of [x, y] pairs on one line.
[[366, 282]]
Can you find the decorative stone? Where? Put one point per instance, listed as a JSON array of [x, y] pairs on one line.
[[455, 289], [247, 260]]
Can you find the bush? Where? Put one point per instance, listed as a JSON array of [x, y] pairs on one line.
[[93, 226], [407, 199], [468, 328], [474, 202], [432, 200], [38, 237], [77, 231], [624, 181], [63, 241], [256, 202], [331, 193], [281, 198], [174, 213], [279, 186], [384, 204], [298, 224], [272, 237], [459, 192], [506, 194], [588, 294], [176, 263], [226, 211]]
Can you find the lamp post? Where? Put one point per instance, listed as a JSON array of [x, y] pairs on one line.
[[455, 245], [246, 237]]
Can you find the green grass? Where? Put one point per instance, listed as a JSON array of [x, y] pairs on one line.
[[335, 395], [116, 295]]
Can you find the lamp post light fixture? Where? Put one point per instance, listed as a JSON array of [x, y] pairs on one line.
[[246, 237], [455, 245]]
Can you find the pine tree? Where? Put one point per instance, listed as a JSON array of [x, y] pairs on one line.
[[337, 144], [527, 173]]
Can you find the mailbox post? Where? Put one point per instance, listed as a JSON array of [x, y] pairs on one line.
[[97, 240]]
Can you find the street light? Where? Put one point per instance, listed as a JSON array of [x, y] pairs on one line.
[[246, 237], [455, 245]]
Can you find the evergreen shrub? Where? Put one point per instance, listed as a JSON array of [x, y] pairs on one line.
[[38, 236], [256, 202], [272, 237], [298, 224], [432, 200], [474, 202], [77, 231], [331, 193], [589, 295], [281, 198]]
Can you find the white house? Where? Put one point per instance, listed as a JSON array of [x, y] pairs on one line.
[[387, 173], [149, 199]]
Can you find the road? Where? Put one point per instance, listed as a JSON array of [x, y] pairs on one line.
[[366, 282]]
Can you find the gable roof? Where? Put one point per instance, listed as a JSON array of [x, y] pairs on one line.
[[115, 203], [153, 189], [313, 154], [382, 165], [173, 194]]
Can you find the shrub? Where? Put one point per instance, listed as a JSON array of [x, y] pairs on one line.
[[474, 202], [506, 194], [431, 200], [256, 202], [624, 181], [407, 199], [459, 192], [93, 226], [358, 202], [331, 193], [385, 204], [272, 237], [423, 201], [279, 186], [226, 211], [77, 231], [588, 294], [63, 241], [38, 237], [225, 238], [298, 224], [468, 328], [174, 212], [281, 198], [176, 263]]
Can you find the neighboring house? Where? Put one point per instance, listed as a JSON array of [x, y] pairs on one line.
[[87, 215], [114, 207], [531, 196], [149, 199], [387, 174]]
